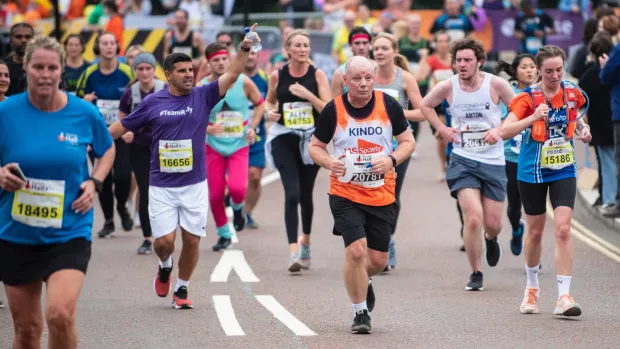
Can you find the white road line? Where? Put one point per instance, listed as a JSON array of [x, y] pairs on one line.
[[270, 178], [280, 313], [589, 238], [226, 315], [229, 214], [229, 261]]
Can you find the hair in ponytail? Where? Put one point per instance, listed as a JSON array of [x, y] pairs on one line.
[[402, 62], [511, 69]]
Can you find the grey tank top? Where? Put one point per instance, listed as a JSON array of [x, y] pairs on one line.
[[395, 89]]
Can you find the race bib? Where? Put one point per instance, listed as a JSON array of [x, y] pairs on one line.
[[533, 43], [40, 204], [233, 124], [298, 115], [515, 143], [389, 91], [176, 156], [183, 49], [362, 173], [455, 34], [472, 137], [557, 153], [109, 110]]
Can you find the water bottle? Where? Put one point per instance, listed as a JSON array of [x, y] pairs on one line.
[[252, 36]]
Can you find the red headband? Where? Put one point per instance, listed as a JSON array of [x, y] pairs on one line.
[[217, 53], [360, 36]]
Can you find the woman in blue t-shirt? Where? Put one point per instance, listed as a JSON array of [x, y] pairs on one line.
[[5, 81], [46, 197]]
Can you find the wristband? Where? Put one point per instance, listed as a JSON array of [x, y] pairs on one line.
[[393, 160]]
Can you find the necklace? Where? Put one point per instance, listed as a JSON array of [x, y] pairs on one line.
[[472, 83]]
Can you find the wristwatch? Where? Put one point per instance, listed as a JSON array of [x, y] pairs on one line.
[[98, 184], [245, 49], [393, 160]]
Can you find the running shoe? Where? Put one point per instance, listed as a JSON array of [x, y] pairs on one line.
[[146, 247], [529, 305], [180, 300], [108, 228], [1, 305], [392, 254], [516, 243], [475, 282], [126, 220], [304, 256], [222, 244], [161, 285], [566, 306], [494, 251], [370, 296], [361, 322], [294, 265], [239, 219], [249, 222]]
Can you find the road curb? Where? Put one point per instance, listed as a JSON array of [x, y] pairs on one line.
[[612, 223]]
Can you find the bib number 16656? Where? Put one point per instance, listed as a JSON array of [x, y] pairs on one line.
[[176, 162]]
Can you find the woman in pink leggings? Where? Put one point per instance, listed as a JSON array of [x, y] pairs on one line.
[[229, 134]]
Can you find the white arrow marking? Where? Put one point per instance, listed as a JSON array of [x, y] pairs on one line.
[[280, 313], [233, 259], [226, 315]]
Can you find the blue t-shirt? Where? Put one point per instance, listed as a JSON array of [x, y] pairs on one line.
[[511, 146], [48, 155], [71, 76], [261, 80]]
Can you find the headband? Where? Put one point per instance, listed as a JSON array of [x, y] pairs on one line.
[[359, 36], [217, 53]]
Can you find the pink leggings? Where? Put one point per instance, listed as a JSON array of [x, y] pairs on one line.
[[218, 167]]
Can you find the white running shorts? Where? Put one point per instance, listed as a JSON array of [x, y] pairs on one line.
[[185, 206]]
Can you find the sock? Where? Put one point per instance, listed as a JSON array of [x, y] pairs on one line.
[[360, 306], [224, 231], [532, 275], [167, 263], [563, 284], [236, 207], [181, 283]]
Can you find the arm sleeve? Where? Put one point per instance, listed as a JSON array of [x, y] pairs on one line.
[[396, 115], [102, 140], [125, 103], [522, 105], [138, 118], [326, 124]]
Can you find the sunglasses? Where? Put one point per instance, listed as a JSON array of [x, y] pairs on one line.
[[227, 43]]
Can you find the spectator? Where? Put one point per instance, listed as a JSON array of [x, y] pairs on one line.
[[334, 12], [400, 29], [578, 54], [599, 119], [292, 6], [386, 19], [452, 21], [20, 34], [609, 77], [610, 24], [279, 58], [414, 47], [575, 6], [531, 27], [364, 20], [340, 47], [115, 25]]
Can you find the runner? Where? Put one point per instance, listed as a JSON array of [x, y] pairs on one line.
[[359, 41], [184, 40], [522, 73], [476, 175], [547, 111], [20, 34], [392, 77], [178, 192], [297, 94], [46, 202], [144, 65], [75, 64], [257, 150], [103, 84], [230, 132], [364, 205], [5, 82]]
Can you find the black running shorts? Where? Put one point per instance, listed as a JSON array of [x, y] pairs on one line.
[[534, 195], [23, 264], [355, 221]]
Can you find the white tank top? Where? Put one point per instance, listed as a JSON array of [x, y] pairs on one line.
[[473, 114]]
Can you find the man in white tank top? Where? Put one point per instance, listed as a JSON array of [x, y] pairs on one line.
[[476, 174]]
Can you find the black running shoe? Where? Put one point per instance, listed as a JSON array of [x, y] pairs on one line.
[[126, 221], [222, 244], [370, 296], [239, 219], [475, 282], [146, 247], [108, 228], [361, 323], [1, 305], [494, 251]]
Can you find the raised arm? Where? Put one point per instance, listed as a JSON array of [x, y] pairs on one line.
[[238, 65]]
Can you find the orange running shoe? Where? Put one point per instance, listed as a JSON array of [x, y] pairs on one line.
[[161, 285], [180, 299], [566, 306], [530, 301]]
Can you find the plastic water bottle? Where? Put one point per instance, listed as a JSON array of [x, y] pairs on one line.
[[252, 36]]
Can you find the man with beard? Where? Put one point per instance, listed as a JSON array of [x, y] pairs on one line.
[[20, 34]]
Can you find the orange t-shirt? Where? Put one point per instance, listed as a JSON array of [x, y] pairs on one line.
[[115, 26], [523, 104]]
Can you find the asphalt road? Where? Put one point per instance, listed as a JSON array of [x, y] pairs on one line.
[[420, 304]]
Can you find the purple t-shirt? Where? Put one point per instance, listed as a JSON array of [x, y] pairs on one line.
[[143, 135], [179, 129]]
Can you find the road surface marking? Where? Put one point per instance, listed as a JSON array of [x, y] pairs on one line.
[[233, 259], [280, 313], [589, 238], [270, 178], [226, 315]]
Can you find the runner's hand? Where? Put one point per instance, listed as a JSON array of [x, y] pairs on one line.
[[128, 137], [247, 43], [300, 91], [338, 166], [8, 181], [90, 97], [448, 134], [585, 136], [492, 136], [273, 115], [250, 135], [602, 60], [541, 111], [84, 203], [382, 164], [215, 129]]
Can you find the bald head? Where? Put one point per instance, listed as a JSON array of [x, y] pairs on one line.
[[359, 78], [358, 65]]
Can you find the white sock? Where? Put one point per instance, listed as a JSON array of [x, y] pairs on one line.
[[166, 264], [181, 283], [360, 306], [563, 284], [532, 276]]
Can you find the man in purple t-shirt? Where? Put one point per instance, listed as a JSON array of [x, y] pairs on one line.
[[178, 193]]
